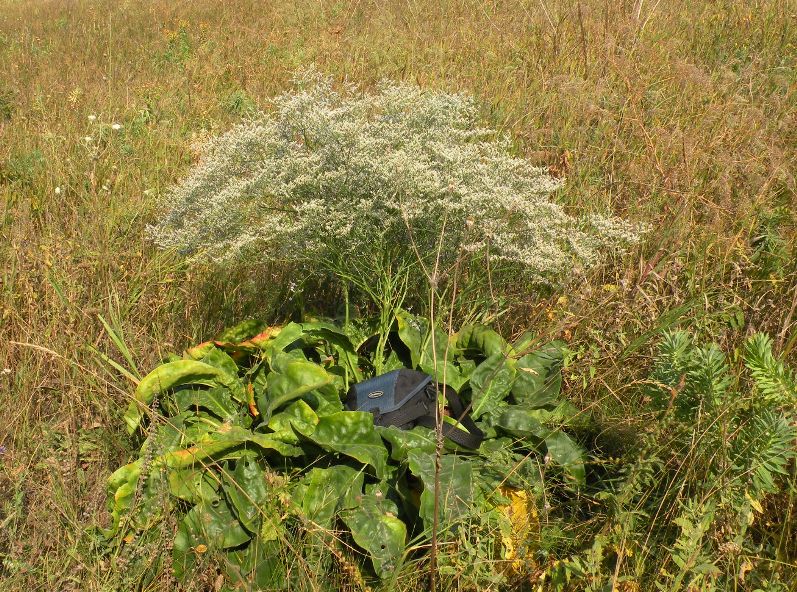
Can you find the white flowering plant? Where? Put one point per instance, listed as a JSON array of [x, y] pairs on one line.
[[369, 185]]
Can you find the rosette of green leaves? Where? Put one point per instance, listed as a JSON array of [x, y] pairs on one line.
[[247, 442]]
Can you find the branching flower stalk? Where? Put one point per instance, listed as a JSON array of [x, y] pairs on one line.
[[339, 180]]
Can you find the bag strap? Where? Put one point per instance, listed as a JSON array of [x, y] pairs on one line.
[[406, 414], [469, 439]]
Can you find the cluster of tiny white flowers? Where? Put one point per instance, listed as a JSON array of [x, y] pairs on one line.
[[339, 174]]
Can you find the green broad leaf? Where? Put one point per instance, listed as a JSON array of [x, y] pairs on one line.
[[482, 341], [298, 417], [491, 383], [324, 329], [149, 498], [402, 441], [174, 374], [207, 526], [376, 529], [392, 362], [563, 415], [196, 427], [566, 453], [361, 330], [280, 360], [169, 435], [539, 377], [193, 485], [411, 331], [260, 341], [213, 444], [260, 565], [217, 400], [281, 339], [445, 345], [247, 491], [257, 388], [440, 365], [228, 441], [457, 490], [466, 367], [226, 356], [499, 465], [522, 423], [270, 442], [152, 500], [126, 489], [322, 493], [325, 400], [121, 491], [198, 351], [242, 331], [124, 475], [437, 359], [347, 367], [445, 373], [343, 347], [200, 428], [522, 344], [352, 433], [290, 380], [218, 358], [328, 333]]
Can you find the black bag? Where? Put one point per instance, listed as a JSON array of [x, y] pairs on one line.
[[407, 398]]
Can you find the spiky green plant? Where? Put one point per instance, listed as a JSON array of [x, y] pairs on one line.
[[696, 506], [775, 384]]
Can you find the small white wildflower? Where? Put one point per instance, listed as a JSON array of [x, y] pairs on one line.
[[6, 371], [88, 139], [92, 118], [116, 126], [105, 188], [58, 191]]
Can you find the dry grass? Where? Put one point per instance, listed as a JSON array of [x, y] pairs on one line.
[[680, 113]]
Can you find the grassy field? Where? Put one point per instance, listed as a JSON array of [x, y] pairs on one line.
[[679, 114]]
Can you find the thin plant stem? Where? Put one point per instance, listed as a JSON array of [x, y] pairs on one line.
[[346, 329], [438, 413]]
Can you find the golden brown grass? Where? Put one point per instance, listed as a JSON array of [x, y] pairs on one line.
[[680, 113]]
